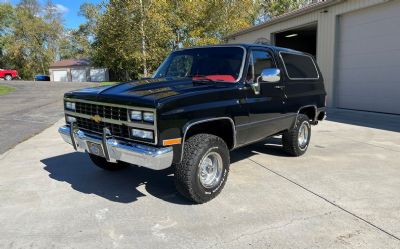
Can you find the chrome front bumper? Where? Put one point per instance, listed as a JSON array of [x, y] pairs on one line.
[[115, 150]]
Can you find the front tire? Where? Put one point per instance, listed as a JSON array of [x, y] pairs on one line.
[[102, 163], [296, 140], [8, 77], [203, 171]]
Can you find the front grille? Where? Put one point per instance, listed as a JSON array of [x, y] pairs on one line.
[[116, 130], [110, 112], [115, 118]]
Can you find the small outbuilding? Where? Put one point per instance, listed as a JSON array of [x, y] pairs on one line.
[[77, 70], [355, 42]]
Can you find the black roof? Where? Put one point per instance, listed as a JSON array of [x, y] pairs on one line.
[[249, 45]]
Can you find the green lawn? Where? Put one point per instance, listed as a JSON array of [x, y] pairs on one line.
[[6, 89], [107, 83]]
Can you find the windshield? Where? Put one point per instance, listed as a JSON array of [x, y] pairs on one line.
[[212, 63]]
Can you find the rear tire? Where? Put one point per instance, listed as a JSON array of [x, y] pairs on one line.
[[202, 173], [101, 162], [296, 140], [8, 77]]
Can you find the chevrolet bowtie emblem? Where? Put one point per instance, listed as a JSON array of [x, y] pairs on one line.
[[96, 118]]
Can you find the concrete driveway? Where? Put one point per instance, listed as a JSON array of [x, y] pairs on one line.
[[344, 193], [33, 107]]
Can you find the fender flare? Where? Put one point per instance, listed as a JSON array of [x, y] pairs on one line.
[[189, 125]]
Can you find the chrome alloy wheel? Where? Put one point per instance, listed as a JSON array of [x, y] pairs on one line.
[[303, 135], [210, 170]]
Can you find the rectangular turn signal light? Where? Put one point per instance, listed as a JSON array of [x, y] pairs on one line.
[[174, 141]]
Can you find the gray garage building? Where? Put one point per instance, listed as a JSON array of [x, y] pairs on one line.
[[76, 70], [356, 43]]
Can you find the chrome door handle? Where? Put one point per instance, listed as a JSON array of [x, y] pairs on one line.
[[280, 87]]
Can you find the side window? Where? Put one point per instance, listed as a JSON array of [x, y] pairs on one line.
[[259, 60], [299, 66]]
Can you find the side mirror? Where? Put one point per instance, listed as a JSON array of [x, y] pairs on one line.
[[271, 75]]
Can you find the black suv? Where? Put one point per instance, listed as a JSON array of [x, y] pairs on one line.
[[201, 103]]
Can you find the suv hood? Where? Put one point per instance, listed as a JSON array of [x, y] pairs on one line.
[[147, 93]]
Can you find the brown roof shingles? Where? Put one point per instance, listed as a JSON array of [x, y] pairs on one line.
[[70, 63]]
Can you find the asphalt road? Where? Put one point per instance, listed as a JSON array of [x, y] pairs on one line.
[[33, 107], [343, 193]]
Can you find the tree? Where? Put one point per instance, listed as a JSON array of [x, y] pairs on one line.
[[207, 22], [131, 37], [6, 20], [273, 8], [31, 43]]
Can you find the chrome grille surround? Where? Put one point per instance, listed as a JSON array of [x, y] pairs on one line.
[[113, 116]]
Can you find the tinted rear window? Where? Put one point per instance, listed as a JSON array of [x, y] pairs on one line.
[[299, 66]]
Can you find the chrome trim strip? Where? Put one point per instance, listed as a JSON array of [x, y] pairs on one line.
[[138, 154], [113, 121], [110, 104], [300, 54], [214, 46], [188, 126], [301, 108]]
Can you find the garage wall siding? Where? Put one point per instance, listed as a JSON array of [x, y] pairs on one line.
[[326, 34]]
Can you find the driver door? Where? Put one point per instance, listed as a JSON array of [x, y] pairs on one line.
[[267, 108]]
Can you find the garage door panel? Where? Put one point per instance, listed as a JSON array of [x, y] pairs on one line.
[[366, 105], [374, 44], [60, 76], [379, 27], [368, 62], [78, 75], [368, 59], [98, 74], [367, 77], [366, 91]]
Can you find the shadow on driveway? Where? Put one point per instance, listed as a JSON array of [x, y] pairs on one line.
[[122, 186], [118, 186]]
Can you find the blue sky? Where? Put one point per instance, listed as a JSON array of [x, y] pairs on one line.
[[69, 8]]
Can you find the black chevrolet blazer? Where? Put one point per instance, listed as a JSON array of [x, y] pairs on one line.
[[201, 103]]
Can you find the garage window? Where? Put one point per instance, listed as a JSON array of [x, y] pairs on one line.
[[299, 66]]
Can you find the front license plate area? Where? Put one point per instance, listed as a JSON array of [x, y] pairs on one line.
[[95, 149]]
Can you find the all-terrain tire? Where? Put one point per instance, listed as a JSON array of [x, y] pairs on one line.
[[101, 162], [290, 138], [187, 172]]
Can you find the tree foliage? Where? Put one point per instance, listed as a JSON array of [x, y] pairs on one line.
[[132, 37], [129, 37], [31, 42], [272, 8]]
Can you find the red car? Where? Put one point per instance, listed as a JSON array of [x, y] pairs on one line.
[[8, 74]]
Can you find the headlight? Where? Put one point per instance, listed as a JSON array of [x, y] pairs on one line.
[[136, 115], [71, 119], [148, 117], [70, 106], [142, 134]]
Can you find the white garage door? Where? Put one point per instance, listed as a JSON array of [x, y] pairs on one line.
[[98, 74], [368, 65], [78, 75], [60, 76]]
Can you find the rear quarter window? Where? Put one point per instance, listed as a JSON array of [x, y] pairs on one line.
[[299, 66]]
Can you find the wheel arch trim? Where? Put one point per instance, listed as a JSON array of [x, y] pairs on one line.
[[308, 106], [189, 125]]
